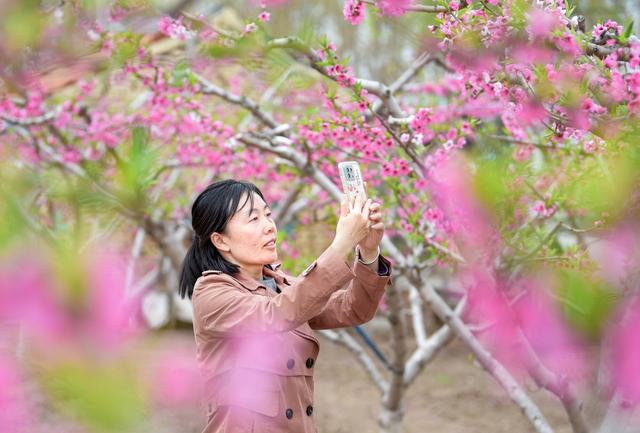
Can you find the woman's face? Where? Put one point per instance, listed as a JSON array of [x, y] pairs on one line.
[[249, 238]]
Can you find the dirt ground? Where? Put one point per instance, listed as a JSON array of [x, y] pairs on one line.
[[452, 395]]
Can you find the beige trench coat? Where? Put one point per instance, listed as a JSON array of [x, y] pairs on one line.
[[256, 348]]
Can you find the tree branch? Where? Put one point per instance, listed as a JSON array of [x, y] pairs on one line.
[[341, 337], [488, 362], [211, 89]]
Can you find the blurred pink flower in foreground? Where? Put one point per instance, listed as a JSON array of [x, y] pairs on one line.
[[13, 408], [618, 255], [452, 190], [45, 310], [393, 7], [489, 309], [532, 315], [269, 3], [624, 352], [177, 380], [108, 321], [542, 23], [556, 345], [28, 299]]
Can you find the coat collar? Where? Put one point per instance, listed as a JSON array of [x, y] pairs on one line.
[[249, 283]]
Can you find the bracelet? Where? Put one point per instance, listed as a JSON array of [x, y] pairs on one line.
[[360, 257]]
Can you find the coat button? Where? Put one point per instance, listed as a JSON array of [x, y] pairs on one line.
[[290, 364], [289, 413], [310, 362], [309, 410]]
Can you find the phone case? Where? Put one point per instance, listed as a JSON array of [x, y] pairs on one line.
[[351, 178]]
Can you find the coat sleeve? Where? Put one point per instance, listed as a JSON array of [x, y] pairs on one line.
[[222, 309], [358, 302]]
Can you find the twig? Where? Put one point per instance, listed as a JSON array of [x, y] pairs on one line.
[[457, 257], [211, 89], [416, 8], [406, 76]]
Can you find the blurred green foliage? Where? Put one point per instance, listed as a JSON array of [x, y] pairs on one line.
[[106, 397]]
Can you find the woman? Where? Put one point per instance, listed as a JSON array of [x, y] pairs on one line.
[[253, 323]]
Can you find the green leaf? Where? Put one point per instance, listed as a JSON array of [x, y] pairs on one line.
[[181, 73], [490, 184], [105, 398], [628, 30], [126, 47], [136, 168], [586, 303], [21, 24]]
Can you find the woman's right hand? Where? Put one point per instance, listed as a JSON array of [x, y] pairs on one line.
[[353, 224]]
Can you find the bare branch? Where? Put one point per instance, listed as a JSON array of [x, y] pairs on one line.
[[430, 348], [377, 88], [29, 121], [417, 8], [557, 385], [406, 76], [488, 362], [624, 53], [287, 203], [342, 338], [136, 249], [417, 318], [211, 89], [457, 257]]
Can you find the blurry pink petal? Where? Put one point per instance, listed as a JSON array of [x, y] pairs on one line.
[[618, 254], [177, 380], [269, 3], [556, 346], [393, 7], [453, 193], [488, 308], [543, 22], [109, 312], [624, 341], [13, 409], [27, 299], [533, 54]]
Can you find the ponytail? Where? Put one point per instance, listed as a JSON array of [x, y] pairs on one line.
[[200, 257]]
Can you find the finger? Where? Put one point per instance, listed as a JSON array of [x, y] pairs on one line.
[[373, 210], [357, 205], [366, 208], [375, 206], [377, 226], [374, 218], [344, 206]]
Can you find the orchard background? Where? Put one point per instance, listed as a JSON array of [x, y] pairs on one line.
[[500, 135]]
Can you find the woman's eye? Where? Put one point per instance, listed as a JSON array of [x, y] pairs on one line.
[[253, 219]]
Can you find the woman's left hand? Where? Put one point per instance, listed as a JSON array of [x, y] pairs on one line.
[[369, 244]]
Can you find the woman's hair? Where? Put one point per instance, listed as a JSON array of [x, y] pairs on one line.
[[211, 212]]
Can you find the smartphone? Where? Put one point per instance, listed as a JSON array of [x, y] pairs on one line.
[[352, 183]]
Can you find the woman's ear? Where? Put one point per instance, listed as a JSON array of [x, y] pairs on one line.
[[219, 242]]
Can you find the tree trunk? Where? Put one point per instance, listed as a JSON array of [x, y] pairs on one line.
[[392, 410]]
